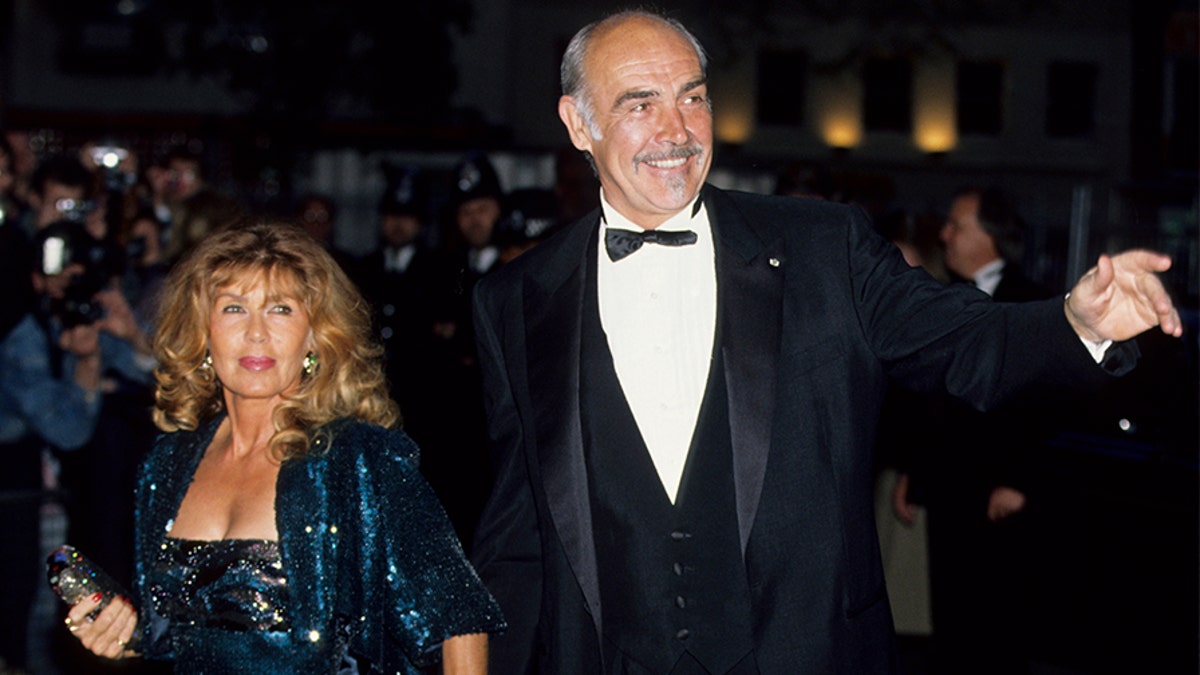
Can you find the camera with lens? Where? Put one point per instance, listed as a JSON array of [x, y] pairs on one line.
[[108, 159], [65, 244], [74, 210]]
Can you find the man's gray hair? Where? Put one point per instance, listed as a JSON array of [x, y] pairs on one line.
[[571, 72]]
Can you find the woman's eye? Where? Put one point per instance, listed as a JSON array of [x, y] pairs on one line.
[[231, 309], [281, 309]]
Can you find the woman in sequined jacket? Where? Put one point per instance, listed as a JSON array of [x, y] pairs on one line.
[[282, 525]]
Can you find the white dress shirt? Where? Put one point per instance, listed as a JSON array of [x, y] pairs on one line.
[[658, 309], [397, 259], [481, 260], [987, 278]]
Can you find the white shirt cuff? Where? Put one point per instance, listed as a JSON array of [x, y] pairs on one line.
[[1096, 349]]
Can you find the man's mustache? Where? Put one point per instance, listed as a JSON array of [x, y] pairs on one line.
[[675, 153]]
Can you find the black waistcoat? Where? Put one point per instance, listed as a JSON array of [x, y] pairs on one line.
[[671, 575]]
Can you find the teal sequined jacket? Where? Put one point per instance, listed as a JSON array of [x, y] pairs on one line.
[[367, 550]]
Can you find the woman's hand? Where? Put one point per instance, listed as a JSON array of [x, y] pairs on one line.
[[108, 634], [119, 320]]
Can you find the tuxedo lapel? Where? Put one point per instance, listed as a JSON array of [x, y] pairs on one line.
[[552, 299], [750, 292]]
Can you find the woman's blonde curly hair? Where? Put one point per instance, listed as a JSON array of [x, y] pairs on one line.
[[348, 380]]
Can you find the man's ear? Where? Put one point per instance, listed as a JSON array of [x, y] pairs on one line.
[[581, 136]]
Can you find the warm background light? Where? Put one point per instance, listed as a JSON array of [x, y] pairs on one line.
[[932, 137], [841, 131], [733, 108], [934, 123], [837, 109], [734, 125]]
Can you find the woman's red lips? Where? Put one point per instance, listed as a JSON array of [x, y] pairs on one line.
[[256, 362]]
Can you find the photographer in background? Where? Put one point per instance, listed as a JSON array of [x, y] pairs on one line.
[[114, 171], [56, 359], [140, 237], [170, 181], [59, 190]]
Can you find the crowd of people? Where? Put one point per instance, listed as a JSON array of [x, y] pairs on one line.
[[651, 429], [88, 243]]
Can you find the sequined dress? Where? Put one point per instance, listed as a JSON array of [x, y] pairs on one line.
[[367, 574], [231, 593]]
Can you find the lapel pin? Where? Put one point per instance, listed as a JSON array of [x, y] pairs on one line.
[[773, 262]]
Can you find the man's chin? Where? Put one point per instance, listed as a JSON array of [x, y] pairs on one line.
[[680, 193]]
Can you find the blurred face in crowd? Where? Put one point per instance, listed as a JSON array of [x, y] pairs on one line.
[[183, 178], [477, 220], [317, 219], [968, 246], [399, 229], [48, 205], [651, 136], [259, 334]]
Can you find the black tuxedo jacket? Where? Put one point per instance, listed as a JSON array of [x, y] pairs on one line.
[[818, 311]]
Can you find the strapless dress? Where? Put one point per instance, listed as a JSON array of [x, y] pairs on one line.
[[226, 602]]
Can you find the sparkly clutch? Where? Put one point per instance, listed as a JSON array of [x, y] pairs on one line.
[[74, 577]]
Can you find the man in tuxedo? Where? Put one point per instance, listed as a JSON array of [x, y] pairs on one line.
[[976, 477], [984, 242], [682, 391]]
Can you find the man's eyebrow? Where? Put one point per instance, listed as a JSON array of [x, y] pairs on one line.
[[640, 94], [634, 95]]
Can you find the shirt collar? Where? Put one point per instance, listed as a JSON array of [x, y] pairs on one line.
[[987, 278], [694, 218], [396, 259], [481, 260]]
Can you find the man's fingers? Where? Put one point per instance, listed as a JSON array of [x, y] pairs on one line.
[[1144, 259], [1105, 273], [1151, 261], [1170, 323], [1156, 295]]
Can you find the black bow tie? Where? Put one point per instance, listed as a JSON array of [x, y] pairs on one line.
[[621, 243]]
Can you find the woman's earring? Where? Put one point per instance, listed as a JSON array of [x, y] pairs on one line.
[[207, 362], [310, 363]]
